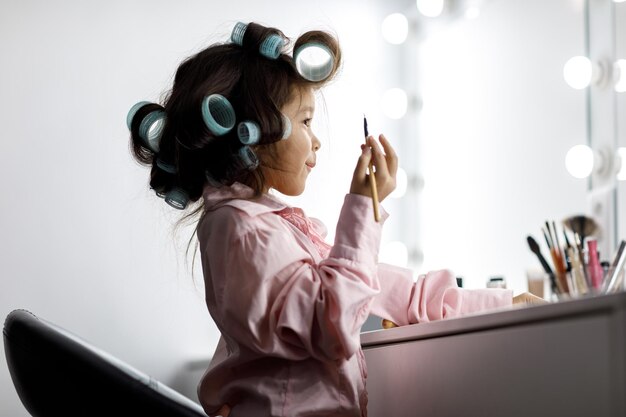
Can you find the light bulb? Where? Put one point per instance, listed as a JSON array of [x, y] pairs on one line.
[[579, 161], [395, 28], [401, 184], [578, 72], [394, 253], [394, 103], [621, 175], [430, 8], [620, 75]]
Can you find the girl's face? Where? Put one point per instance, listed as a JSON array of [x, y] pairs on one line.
[[294, 157]]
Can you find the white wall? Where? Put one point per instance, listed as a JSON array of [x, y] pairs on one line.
[[83, 242]]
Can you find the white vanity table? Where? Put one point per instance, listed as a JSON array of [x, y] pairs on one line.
[[562, 359]]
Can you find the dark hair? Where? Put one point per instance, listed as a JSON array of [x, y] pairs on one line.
[[256, 86]]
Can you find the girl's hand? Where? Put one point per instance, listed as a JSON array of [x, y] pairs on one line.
[[388, 324], [528, 299], [385, 167]]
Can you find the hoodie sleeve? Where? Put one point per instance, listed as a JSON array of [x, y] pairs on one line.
[[434, 296]]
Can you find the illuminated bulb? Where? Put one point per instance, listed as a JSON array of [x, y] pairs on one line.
[[401, 184], [620, 75], [578, 72], [394, 103], [395, 28], [430, 8], [579, 161], [394, 253], [621, 153]]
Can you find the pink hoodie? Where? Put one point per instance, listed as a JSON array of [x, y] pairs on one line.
[[290, 307]]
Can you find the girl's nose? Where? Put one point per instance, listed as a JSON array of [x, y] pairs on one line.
[[316, 143]]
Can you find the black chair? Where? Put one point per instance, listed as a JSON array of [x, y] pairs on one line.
[[58, 375]]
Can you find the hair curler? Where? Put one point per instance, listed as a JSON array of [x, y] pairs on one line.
[[218, 114], [271, 46], [177, 198], [164, 166], [286, 127], [314, 61], [150, 127], [249, 132], [248, 158]]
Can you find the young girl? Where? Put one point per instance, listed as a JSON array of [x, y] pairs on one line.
[[289, 306]]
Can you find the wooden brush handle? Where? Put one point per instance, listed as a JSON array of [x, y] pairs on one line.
[[374, 193]]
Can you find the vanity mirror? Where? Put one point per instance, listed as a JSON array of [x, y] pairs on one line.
[[491, 119]]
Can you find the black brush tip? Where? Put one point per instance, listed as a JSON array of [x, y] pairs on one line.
[[532, 244], [365, 126]]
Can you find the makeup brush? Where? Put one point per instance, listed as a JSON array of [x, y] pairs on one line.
[[560, 270], [534, 247], [556, 237], [583, 225], [545, 235], [567, 246], [372, 178], [561, 252], [579, 244]]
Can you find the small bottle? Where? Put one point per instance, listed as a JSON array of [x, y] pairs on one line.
[[605, 268], [496, 282]]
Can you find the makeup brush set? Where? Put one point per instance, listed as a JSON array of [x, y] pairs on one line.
[[576, 269]]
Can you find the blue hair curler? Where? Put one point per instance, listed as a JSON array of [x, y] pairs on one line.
[[248, 158], [169, 168], [218, 114], [314, 61], [238, 31], [177, 198], [151, 129], [271, 46], [286, 127], [249, 132], [131, 113]]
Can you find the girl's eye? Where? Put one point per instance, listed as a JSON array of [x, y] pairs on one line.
[[307, 122]]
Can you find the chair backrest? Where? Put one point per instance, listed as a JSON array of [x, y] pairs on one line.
[[57, 374]]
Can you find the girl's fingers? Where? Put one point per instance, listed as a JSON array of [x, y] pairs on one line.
[[390, 155], [359, 178], [377, 154], [362, 163]]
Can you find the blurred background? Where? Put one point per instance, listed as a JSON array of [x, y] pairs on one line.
[[480, 98]]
